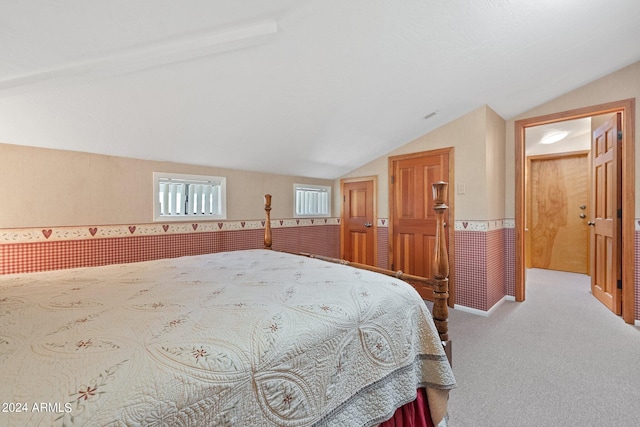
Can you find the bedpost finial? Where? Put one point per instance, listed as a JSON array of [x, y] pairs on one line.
[[268, 240], [441, 256], [440, 194]]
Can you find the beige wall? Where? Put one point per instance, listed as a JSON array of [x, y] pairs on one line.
[[495, 181], [622, 84], [478, 141], [45, 187]]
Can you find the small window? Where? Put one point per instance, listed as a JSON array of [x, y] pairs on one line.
[[312, 200], [182, 197]]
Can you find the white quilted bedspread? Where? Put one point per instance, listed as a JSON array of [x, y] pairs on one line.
[[249, 338]]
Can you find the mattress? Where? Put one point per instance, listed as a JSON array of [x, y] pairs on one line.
[[245, 338]]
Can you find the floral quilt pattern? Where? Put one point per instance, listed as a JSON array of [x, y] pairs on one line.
[[243, 338]]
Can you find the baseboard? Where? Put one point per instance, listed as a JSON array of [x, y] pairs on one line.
[[637, 322], [482, 312]]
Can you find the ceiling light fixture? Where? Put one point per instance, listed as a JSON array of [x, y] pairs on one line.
[[552, 138]]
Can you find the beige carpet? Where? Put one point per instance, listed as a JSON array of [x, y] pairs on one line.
[[558, 359]]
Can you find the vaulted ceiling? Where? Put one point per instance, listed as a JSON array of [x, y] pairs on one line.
[[299, 87]]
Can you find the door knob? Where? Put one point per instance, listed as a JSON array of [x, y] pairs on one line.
[[367, 224], [582, 215], [583, 207]]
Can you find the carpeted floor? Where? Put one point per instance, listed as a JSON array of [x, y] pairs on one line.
[[558, 359]]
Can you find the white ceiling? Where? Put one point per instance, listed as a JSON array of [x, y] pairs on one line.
[[321, 88], [578, 137]]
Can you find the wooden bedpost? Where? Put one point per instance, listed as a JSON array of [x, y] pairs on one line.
[[268, 241], [441, 267]]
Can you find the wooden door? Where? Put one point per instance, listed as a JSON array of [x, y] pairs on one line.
[[413, 220], [606, 271], [359, 222], [558, 214]]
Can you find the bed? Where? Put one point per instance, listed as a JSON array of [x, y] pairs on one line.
[[245, 338]]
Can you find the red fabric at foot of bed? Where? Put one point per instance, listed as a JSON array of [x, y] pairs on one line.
[[413, 414]]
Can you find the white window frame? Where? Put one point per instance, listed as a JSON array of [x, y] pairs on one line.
[[218, 191], [305, 205]]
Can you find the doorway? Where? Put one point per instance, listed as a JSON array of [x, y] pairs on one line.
[[412, 220], [626, 109], [557, 212], [359, 220]]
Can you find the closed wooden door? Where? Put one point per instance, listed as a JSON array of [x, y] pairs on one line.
[[358, 219], [606, 270], [558, 214], [413, 220]]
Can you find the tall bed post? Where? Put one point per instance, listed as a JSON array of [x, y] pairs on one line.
[[268, 240], [441, 267]]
